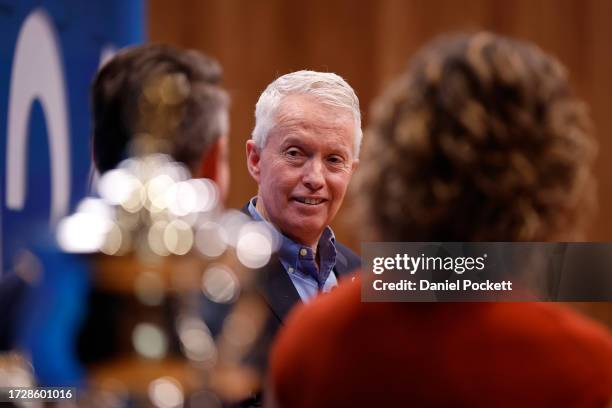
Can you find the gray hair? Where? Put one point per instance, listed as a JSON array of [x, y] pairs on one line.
[[329, 88]]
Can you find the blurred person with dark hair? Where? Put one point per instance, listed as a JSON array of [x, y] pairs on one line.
[[148, 99], [160, 99], [480, 139]]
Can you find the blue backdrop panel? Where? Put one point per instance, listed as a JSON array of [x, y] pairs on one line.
[[49, 53]]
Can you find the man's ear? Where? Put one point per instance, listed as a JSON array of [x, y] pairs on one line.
[[208, 167], [253, 156], [354, 165]]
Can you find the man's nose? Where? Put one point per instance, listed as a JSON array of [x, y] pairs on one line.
[[313, 176]]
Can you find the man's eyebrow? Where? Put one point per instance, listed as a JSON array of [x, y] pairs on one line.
[[289, 140], [342, 149]]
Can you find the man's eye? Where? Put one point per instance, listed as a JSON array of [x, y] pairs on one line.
[[335, 159], [293, 153]]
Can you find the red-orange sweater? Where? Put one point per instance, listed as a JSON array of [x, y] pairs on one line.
[[339, 352]]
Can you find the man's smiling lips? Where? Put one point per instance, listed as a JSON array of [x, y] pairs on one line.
[[309, 200]]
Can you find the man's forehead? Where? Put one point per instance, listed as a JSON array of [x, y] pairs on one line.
[[308, 108]]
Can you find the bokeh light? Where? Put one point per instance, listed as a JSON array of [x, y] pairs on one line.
[[155, 238], [211, 239], [254, 246], [156, 189], [114, 243], [166, 392], [220, 284], [83, 232], [207, 194], [196, 341], [149, 341], [178, 237], [232, 222], [119, 187], [181, 198]]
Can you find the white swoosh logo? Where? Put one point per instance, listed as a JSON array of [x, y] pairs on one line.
[[37, 74]]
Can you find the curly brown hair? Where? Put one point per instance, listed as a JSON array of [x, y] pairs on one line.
[[481, 139]]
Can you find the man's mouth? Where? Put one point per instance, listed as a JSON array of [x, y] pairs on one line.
[[309, 201]]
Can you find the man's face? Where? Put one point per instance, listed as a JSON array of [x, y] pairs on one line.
[[304, 169]]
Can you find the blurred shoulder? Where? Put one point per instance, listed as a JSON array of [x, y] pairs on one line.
[[556, 322]]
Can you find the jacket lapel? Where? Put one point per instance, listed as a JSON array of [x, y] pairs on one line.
[[341, 262], [277, 289], [275, 285]]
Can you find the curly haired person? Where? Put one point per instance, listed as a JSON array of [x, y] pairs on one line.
[[480, 139]]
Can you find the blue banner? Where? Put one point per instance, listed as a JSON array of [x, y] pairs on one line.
[[49, 54]]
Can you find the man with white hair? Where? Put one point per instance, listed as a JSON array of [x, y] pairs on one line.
[[304, 150]]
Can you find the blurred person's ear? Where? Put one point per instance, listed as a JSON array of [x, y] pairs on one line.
[[253, 158], [215, 166]]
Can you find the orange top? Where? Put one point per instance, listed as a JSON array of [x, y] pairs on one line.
[[339, 352]]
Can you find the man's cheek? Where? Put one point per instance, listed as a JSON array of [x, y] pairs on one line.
[[338, 190]]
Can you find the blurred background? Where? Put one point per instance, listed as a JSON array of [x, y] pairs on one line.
[[50, 51], [368, 42]]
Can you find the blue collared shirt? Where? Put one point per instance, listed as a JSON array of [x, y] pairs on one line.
[[300, 263]]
